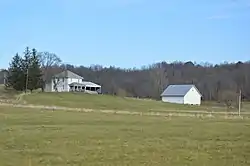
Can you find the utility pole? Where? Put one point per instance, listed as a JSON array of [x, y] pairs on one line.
[[4, 77], [27, 79], [239, 102]]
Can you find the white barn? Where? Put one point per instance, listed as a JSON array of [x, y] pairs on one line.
[[68, 81], [182, 94]]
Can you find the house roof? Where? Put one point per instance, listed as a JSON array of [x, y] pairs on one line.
[[85, 83], [67, 74], [178, 90]]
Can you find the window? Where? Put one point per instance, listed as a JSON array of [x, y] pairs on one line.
[[63, 86]]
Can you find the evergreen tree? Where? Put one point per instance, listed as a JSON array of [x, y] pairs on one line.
[[34, 71], [25, 73], [16, 78]]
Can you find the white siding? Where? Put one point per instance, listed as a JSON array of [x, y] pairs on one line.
[[63, 84], [51, 86], [66, 85], [192, 97], [48, 87], [71, 80], [60, 85], [178, 100]]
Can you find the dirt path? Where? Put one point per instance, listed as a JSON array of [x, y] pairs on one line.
[[199, 114], [20, 103]]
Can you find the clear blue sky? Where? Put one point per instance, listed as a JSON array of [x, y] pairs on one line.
[[127, 33]]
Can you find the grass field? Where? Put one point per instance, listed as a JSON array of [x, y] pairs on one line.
[[35, 137], [79, 100], [105, 102]]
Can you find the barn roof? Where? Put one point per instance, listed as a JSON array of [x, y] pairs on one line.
[[178, 90], [68, 74]]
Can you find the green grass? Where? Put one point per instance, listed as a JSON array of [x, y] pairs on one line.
[[37, 138], [79, 100], [108, 102]]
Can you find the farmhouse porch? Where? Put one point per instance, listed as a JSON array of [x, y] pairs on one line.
[[85, 86]]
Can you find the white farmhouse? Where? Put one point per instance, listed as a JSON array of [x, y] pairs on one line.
[[182, 94], [68, 81]]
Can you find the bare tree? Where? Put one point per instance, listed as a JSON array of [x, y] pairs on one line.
[[229, 98], [215, 82], [159, 77], [48, 61]]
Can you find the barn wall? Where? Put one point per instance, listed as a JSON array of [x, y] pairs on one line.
[[179, 100], [192, 97]]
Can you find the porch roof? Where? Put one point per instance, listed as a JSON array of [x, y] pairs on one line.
[[85, 83]]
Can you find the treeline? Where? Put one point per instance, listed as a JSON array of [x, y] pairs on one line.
[[216, 82]]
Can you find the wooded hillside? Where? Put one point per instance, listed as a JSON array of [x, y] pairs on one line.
[[214, 81]]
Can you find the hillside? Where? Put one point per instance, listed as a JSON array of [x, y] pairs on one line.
[[213, 81], [102, 102], [116, 103], [107, 102]]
